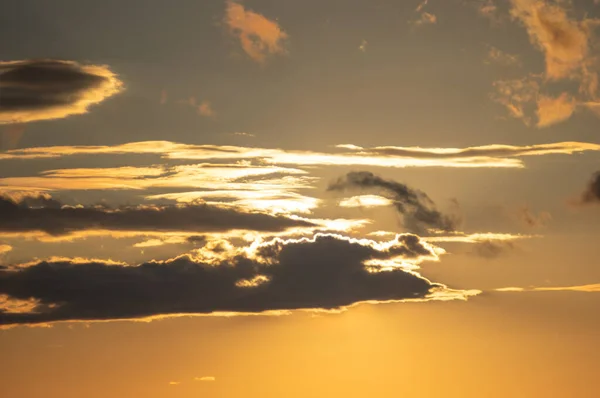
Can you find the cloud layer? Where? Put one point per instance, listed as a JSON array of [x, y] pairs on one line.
[[46, 89], [42, 214], [325, 272]]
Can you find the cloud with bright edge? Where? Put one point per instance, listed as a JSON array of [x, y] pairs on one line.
[[45, 89], [327, 271]]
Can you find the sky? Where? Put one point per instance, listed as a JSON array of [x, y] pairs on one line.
[[289, 198]]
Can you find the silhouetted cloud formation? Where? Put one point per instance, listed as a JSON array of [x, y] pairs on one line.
[[592, 192], [45, 214], [326, 272], [490, 249], [52, 89], [417, 209]]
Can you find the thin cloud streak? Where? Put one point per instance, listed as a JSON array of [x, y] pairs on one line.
[[496, 155]]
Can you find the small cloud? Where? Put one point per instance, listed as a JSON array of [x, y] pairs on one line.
[[497, 56], [205, 378], [258, 35], [591, 195], [528, 218], [243, 134], [425, 19], [363, 46], [365, 201], [46, 89], [553, 110], [5, 249], [174, 383], [593, 288], [205, 109], [163, 97], [492, 249], [11, 135]]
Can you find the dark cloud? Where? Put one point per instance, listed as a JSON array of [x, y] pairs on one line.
[[492, 249], [325, 272], [592, 192], [51, 89], [417, 209], [50, 216]]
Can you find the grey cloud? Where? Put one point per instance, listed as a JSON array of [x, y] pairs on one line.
[[51, 89], [492, 249], [592, 192], [417, 209], [50, 216], [326, 272]]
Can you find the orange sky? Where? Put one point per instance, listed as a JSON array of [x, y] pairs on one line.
[[299, 198]]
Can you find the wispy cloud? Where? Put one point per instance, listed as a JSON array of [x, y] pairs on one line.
[[349, 155], [594, 288], [258, 35], [417, 209], [497, 56], [45, 89]]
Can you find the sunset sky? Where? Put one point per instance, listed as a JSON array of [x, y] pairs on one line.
[[300, 198]]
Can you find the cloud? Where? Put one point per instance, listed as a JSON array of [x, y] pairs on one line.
[[45, 89], [205, 378], [495, 55], [591, 195], [325, 272], [5, 249], [564, 41], [418, 210], [365, 201], [553, 110], [528, 218], [205, 109], [492, 249], [593, 288], [258, 35], [501, 156], [51, 217]]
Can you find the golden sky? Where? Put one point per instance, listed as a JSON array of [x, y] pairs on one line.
[[299, 198]]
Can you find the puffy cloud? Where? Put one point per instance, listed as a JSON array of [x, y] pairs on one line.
[[258, 35], [565, 42], [45, 89], [417, 209], [325, 272], [51, 217]]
